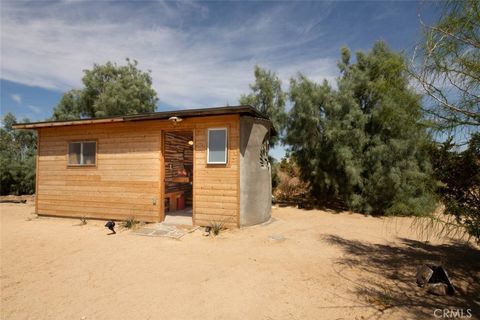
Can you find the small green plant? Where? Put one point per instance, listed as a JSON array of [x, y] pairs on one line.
[[216, 227], [130, 223], [83, 221]]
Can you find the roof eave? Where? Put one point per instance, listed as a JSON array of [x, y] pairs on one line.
[[187, 113], [48, 124]]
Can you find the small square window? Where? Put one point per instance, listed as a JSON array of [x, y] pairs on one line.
[[217, 146], [82, 153]]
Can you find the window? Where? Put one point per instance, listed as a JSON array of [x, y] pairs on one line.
[[217, 146], [82, 153], [264, 160]]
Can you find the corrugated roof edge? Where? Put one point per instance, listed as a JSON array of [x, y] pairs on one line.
[[186, 113]]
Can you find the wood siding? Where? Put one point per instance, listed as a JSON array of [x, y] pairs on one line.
[[127, 179], [124, 182], [216, 187]]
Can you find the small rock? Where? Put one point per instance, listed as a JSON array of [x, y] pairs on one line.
[[424, 273], [441, 275], [277, 237], [439, 289], [206, 231]]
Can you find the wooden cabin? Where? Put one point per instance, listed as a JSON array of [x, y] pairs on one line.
[[207, 164]]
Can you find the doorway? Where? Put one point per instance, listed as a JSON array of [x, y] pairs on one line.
[[178, 161]]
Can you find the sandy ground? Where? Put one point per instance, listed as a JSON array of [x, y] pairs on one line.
[[328, 266]]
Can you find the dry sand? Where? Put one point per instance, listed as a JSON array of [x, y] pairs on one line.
[[328, 266]]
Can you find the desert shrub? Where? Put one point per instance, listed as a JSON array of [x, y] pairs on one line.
[[130, 223], [216, 227], [289, 186]]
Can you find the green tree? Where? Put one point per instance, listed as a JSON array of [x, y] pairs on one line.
[[268, 97], [17, 158], [363, 143], [459, 173], [306, 135], [69, 107], [447, 65], [109, 90]]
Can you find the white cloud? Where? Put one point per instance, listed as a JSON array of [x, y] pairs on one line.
[[34, 109], [192, 66], [16, 97]]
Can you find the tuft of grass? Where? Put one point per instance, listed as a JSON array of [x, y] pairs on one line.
[[216, 227], [381, 298], [130, 223], [83, 221]]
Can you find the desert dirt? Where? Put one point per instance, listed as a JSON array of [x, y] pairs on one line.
[[305, 265]]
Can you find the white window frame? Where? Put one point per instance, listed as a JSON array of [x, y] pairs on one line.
[[81, 164], [226, 146]]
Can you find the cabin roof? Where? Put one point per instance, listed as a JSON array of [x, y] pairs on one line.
[[187, 113]]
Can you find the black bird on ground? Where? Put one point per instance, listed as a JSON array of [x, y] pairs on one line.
[[111, 226]]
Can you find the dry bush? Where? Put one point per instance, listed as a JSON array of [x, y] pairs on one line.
[[130, 223], [289, 186]]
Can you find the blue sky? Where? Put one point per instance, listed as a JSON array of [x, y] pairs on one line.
[[201, 54]]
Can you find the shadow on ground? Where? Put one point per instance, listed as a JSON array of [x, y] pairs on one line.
[[332, 207], [387, 277]]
